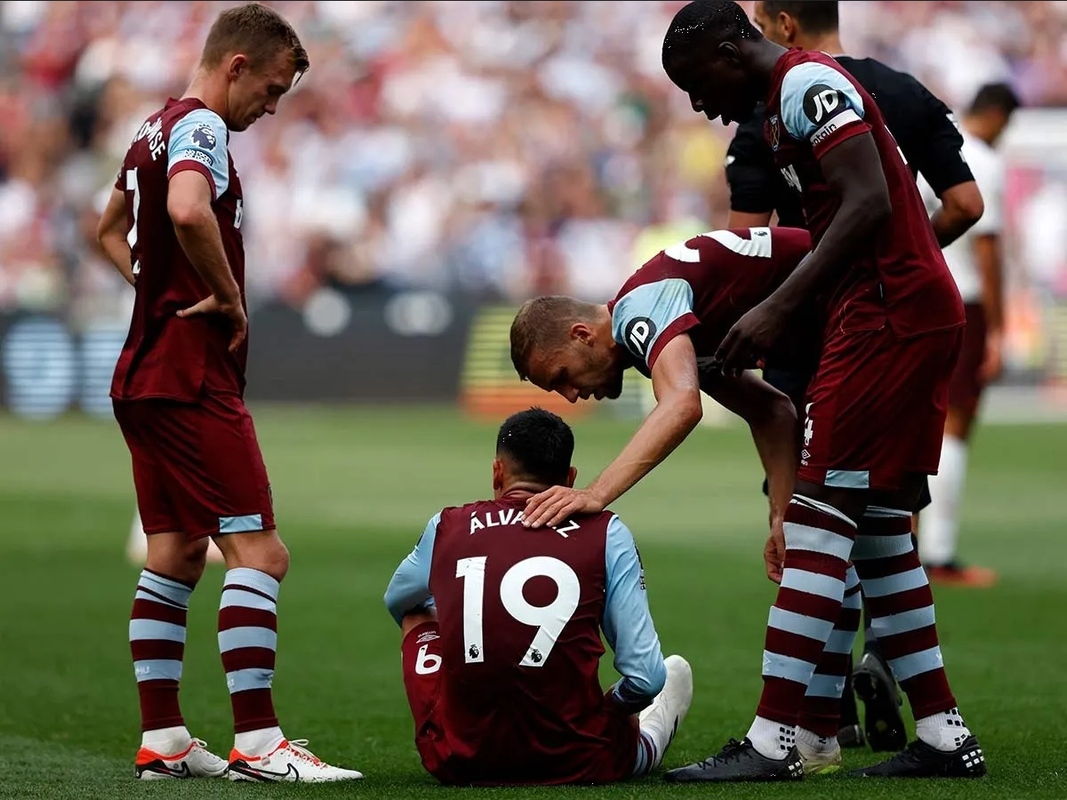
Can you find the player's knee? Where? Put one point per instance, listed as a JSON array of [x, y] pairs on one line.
[[195, 559], [276, 559], [175, 557], [263, 551]]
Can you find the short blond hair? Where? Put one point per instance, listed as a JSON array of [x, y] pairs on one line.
[[544, 324], [258, 32]]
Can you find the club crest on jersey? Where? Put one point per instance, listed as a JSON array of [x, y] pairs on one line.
[[639, 334], [204, 136], [774, 131]]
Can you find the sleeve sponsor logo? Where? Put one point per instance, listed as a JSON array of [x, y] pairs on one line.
[[822, 103], [639, 333], [197, 155], [823, 132]]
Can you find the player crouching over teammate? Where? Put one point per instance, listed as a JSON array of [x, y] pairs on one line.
[[501, 634]]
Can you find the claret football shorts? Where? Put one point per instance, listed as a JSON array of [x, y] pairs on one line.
[[876, 409], [197, 467]]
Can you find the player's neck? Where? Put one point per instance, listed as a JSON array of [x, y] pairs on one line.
[[829, 43], [210, 89], [603, 321], [520, 490], [762, 56]]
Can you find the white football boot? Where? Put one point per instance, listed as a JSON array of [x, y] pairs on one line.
[[822, 760], [196, 761], [290, 761], [661, 720]]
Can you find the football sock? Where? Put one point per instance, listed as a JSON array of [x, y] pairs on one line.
[[870, 641], [258, 743], [771, 739], [944, 731], [247, 640], [810, 741], [901, 606], [818, 541], [167, 741], [821, 711], [157, 643], [850, 714], [939, 532]]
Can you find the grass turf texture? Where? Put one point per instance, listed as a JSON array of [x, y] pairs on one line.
[[353, 489]]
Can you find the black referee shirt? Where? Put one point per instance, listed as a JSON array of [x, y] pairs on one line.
[[922, 125]]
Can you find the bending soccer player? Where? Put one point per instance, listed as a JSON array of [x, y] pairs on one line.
[[172, 227], [877, 403], [932, 146], [502, 627], [667, 321]]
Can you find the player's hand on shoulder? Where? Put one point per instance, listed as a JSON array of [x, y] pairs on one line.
[[234, 310], [553, 506]]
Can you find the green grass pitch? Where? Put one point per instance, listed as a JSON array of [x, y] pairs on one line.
[[353, 489]]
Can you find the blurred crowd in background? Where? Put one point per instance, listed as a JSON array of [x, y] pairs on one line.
[[499, 148]]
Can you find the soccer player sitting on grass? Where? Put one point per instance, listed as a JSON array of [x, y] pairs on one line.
[[502, 630]]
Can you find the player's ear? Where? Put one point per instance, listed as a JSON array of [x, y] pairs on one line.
[[581, 332], [238, 64], [788, 26], [728, 52], [572, 476], [498, 474]]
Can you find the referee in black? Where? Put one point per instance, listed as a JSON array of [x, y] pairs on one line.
[[931, 143]]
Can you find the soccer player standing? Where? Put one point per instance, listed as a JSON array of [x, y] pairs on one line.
[[975, 262], [172, 227], [502, 630], [876, 406], [932, 145]]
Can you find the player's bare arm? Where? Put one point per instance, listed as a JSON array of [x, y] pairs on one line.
[[111, 233], [853, 169], [987, 259], [961, 207], [676, 384], [189, 206], [772, 419]]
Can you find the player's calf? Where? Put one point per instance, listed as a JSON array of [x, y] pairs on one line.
[[902, 617], [821, 724], [821, 716], [247, 641]]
